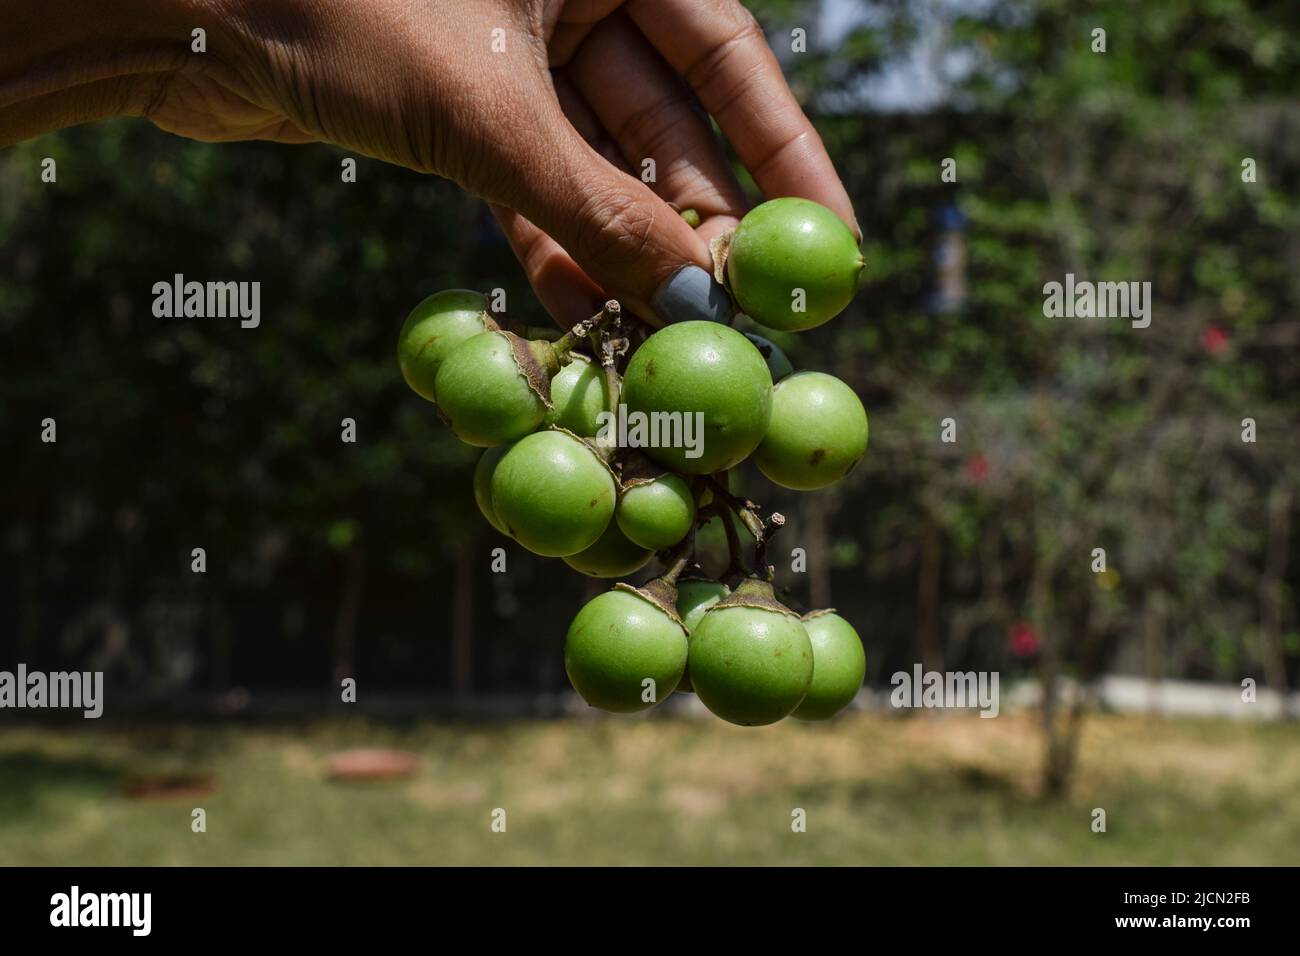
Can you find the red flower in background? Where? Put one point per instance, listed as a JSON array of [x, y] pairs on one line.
[[977, 467], [1215, 340], [1023, 640]]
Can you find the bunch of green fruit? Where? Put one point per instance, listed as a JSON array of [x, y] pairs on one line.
[[558, 477]]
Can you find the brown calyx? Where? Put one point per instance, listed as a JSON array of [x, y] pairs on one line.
[[536, 361], [719, 248], [638, 468], [658, 592], [817, 613], [756, 593]]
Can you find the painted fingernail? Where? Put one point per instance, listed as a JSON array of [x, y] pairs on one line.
[[691, 294]]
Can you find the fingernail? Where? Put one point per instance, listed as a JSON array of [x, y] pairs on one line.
[[691, 294]]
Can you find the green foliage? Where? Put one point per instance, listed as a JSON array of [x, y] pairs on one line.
[[200, 424], [1072, 433], [1083, 433]]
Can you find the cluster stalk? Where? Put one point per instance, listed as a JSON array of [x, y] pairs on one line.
[[609, 314], [762, 528]]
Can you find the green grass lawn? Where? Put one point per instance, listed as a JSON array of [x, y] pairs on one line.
[[875, 789]]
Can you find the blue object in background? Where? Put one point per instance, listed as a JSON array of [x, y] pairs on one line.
[[950, 262]]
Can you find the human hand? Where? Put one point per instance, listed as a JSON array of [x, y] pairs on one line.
[[545, 108]]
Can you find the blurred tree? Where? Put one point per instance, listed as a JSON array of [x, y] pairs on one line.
[[1077, 434]]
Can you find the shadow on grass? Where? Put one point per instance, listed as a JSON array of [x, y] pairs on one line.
[[969, 780], [31, 777]]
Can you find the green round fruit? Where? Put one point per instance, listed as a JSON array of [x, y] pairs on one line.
[[694, 597], [657, 514], [705, 368], [552, 494], [793, 244], [612, 556], [435, 327], [750, 665], [619, 640], [778, 364], [484, 395], [487, 464], [817, 434], [578, 397], [839, 664]]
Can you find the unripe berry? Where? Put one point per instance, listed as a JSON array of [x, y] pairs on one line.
[[435, 327], [656, 514], [620, 640], [612, 556], [694, 597], [487, 464], [787, 246], [493, 388], [578, 397], [751, 661], [817, 434], [705, 368], [839, 664], [553, 494]]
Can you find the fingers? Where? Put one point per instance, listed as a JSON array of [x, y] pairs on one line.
[[570, 25], [651, 114], [581, 116], [723, 54], [623, 236], [567, 293], [564, 290], [565, 41]]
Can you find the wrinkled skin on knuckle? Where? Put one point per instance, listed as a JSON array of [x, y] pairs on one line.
[[744, 28], [614, 230]]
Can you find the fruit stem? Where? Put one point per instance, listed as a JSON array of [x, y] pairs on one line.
[[608, 348], [745, 510], [774, 522], [680, 557], [763, 529], [613, 387], [736, 561], [610, 312]]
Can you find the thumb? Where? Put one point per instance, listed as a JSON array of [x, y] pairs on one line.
[[627, 239]]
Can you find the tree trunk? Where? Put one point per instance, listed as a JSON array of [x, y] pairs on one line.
[[1055, 757], [1063, 725], [1271, 594], [1154, 651]]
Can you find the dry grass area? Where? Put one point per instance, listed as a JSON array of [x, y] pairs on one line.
[[875, 790]]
